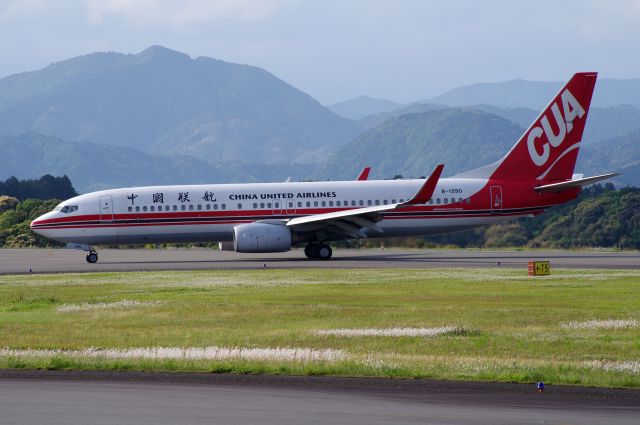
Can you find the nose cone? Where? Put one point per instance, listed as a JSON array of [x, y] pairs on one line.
[[38, 222]]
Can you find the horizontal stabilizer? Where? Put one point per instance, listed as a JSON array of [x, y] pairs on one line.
[[573, 184]]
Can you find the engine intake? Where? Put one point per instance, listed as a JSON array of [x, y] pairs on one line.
[[261, 237]]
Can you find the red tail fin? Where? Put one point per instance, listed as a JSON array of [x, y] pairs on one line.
[[549, 148]]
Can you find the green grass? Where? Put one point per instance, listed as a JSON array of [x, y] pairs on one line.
[[511, 321]]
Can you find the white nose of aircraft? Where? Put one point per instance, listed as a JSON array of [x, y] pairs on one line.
[[37, 224]]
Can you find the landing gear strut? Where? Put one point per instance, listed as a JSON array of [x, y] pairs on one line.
[[318, 251], [92, 257]]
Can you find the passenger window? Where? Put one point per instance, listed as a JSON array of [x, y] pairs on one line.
[[438, 201], [183, 208], [255, 205], [144, 208], [369, 202], [377, 201], [269, 205], [331, 203], [353, 203], [208, 207], [337, 203], [430, 200], [401, 200], [385, 202], [299, 204], [324, 204], [361, 202], [190, 207], [199, 207], [290, 204], [308, 203], [130, 209], [175, 208], [277, 205], [152, 208], [224, 206], [239, 206], [166, 207], [393, 201], [468, 200], [137, 209], [315, 203], [215, 206]]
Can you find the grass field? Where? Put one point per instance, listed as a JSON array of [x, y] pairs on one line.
[[574, 327]]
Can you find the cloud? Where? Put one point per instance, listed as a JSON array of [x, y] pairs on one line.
[[180, 12]]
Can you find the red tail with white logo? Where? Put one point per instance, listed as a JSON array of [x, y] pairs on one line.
[[549, 148]]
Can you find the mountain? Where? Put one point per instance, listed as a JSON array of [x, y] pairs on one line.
[[604, 122], [362, 106], [94, 166], [536, 94], [618, 154], [371, 121], [162, 101], [466, 138], [412, 144]]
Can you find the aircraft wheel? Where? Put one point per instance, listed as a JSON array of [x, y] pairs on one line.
[[92, 257], [311, 251], [324, 252]]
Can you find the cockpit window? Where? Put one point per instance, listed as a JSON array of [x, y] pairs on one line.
[[69, 209]]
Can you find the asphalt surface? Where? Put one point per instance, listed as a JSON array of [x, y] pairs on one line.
[[52, 397], [65, 260]]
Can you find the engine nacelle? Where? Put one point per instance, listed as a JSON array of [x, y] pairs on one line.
[[261, 237]]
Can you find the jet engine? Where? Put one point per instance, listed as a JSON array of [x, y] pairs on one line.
[[261, 237]]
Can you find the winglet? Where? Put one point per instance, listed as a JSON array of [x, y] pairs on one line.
[[427, 189], [364, 174]]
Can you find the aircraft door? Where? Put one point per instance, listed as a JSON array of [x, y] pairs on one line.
[[496, 199], [277, 207], [290, 207], [106, 209]]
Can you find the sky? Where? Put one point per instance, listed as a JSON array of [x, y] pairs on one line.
[[403, 50]]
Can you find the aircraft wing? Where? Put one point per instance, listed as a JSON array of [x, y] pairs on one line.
[[573, 184], [351, 223]]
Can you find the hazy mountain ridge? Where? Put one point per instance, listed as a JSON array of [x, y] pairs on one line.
[[362, 106], [94, 166], [463, 139], [412, 144], [163, 101], [536, 94]]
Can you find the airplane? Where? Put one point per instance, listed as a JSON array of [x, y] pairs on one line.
[[536, 174]]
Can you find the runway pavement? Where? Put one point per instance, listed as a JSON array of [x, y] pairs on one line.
[[65, 260], [128, 398]]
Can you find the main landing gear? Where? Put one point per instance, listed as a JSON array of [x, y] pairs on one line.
[[318, 251], [92, 257]]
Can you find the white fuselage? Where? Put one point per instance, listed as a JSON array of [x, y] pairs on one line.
[[196, 213]]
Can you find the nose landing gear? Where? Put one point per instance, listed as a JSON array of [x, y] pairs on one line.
[[92, 257], [318, 251]]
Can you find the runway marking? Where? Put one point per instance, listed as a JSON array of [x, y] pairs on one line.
[[298, 354], [124, 304], [601, 324], [393, 332]]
